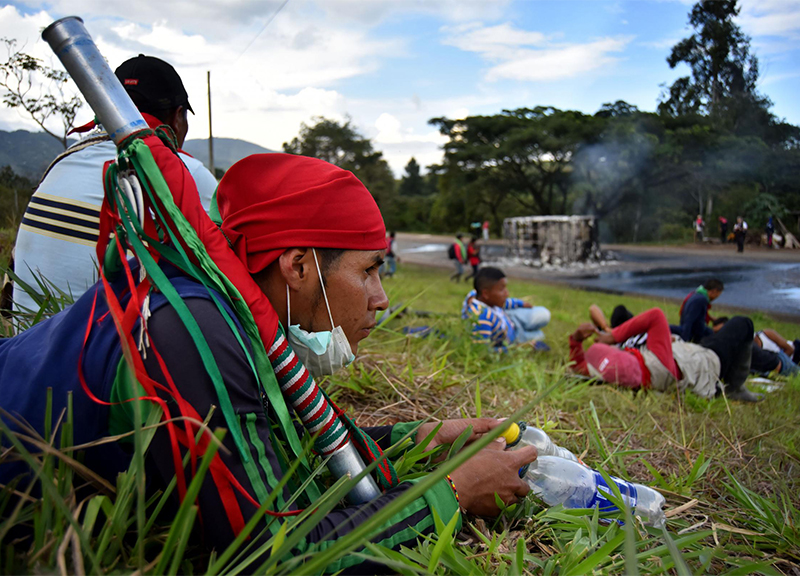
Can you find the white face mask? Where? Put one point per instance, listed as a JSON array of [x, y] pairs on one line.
[[323, 353]]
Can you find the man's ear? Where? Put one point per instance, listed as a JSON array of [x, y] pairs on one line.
[[295, 267]]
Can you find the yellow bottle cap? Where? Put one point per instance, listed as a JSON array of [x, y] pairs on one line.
[[511, 434]]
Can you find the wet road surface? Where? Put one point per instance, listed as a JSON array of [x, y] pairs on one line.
[[753, 282]]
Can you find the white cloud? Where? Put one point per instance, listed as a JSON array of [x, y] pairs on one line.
[[531, 56], [771, 18]]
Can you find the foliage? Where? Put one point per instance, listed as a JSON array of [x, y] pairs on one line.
[[38, 90], [15, 191], [342, 145], [412, 184]]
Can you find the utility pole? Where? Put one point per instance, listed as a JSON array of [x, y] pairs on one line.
[[210, 134]]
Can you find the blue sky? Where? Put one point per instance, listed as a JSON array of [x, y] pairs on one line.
[[391, 65]]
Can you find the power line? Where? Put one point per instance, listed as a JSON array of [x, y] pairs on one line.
[[260, 32]]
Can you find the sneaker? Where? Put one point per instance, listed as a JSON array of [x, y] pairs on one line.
[[540, 346]]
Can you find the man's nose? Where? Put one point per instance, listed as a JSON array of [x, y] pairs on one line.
[[378, 299]]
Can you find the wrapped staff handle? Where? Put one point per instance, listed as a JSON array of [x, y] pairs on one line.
[[78, 53]]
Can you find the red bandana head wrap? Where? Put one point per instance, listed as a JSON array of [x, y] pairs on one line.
[[272, 202]]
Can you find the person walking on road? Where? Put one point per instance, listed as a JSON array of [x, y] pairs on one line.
[[723, 229], [473, 257], [740, 233], [770, 231], [458, 254], [699, 224]]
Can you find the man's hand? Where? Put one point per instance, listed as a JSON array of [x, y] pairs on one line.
[[492, 471], [606, 338], [584, 331], [452, 429], [527, 305]]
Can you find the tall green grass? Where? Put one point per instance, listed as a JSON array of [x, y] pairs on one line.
[[727, 470]]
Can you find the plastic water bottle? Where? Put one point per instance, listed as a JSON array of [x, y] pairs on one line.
[[519, 435], [558, 481]]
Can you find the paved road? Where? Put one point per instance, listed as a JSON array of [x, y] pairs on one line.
[[756, 280]]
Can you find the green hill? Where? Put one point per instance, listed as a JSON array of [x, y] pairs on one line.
[[30, 153]]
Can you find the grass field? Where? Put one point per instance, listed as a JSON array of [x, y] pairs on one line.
[[728, 471]]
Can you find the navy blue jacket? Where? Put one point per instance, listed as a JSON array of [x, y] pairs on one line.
[[693, 326]]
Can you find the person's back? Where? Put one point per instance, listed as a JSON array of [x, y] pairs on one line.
[[60, 226]]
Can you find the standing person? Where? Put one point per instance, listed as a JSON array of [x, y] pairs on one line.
[[723, 229], [699, 224], [485, 229], [60, 226], [390, 265], [473, 257], [458, 254], [740, 233], [770, 231]]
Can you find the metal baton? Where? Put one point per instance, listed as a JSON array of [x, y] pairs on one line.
[[99, 85]]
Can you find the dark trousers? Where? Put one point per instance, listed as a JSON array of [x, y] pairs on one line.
[[733, 344], [740, 241]]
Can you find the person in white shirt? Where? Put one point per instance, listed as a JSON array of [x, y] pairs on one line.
[[740, 233], [58, 233]]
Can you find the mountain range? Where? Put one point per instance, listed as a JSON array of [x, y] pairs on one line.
[[30, 153]]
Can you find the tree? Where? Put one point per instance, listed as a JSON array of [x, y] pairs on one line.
[[38, 90], [15, 191], [412, 183], [524, 153], [723, 71], [342, 145]]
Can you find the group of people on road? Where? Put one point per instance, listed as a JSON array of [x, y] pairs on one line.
[[739, 232], [463, 255]]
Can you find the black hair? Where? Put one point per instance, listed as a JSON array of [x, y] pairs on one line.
[[796, 355], [391, 234], [486, 278], [714, 284], [721, 320], [620, 315], [459, 236]]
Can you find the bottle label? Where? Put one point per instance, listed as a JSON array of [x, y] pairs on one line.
[[600, 498]]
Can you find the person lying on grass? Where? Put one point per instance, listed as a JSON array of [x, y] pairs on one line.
[[497, 318], [659, 362], [312, 238], [773, 354]]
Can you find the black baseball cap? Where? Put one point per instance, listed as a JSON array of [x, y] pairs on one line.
[[153, 85]]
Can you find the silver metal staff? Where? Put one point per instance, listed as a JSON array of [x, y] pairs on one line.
[[97, 82]]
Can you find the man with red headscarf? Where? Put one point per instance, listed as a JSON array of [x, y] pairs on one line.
[[312, 238]]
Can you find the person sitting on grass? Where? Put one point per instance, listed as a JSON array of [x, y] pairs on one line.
[[694, 312], [501, 320], [660, 362], [310, 238]]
